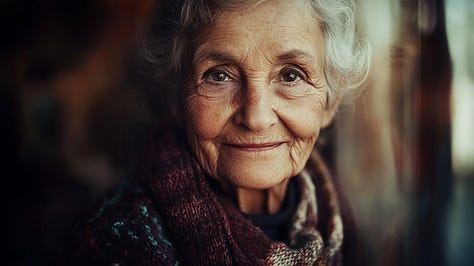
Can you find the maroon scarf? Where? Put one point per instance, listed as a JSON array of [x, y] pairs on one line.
[[208, 229]]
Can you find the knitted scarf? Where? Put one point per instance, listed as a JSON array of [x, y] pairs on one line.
[[208, 228]]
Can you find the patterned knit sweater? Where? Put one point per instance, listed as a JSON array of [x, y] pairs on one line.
[[123, 229], [181, 218]]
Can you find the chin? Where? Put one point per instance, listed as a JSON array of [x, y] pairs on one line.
[[255, 176]]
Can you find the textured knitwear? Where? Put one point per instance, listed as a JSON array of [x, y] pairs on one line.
[[208, 229], [179, 216]]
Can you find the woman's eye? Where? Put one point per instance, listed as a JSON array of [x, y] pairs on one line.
[[217, 76], [291, 75]]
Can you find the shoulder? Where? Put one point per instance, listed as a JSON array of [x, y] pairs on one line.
[[124, 229]]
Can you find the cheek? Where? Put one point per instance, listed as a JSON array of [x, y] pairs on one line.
[[303, 116], [206, 117]]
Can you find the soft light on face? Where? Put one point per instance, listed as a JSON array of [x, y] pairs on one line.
[[256, 99]]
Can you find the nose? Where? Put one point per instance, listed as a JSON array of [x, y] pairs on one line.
[[256, 112]]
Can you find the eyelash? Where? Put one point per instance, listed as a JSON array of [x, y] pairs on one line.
[[300, 75], [209, 75]]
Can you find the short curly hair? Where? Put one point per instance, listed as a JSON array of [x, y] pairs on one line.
[[179, 23]]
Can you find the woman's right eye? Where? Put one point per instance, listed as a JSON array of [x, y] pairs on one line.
[[217, 76]]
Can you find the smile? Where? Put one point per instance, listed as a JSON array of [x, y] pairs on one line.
[[256, 147]]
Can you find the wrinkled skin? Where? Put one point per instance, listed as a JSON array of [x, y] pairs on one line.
[[256, 100]]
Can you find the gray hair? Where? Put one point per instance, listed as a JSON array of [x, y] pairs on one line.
[[179, 23]]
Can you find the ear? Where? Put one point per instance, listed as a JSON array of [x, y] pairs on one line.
[[331, 109]]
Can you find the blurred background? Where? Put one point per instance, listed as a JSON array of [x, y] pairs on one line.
[[77, 106]]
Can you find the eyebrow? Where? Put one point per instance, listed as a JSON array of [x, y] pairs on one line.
[[215, 57], [294, 54], [297, 54]]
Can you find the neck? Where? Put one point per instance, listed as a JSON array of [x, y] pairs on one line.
[[255, 201]]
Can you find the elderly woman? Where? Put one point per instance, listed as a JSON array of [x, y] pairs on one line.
[[238, 181]]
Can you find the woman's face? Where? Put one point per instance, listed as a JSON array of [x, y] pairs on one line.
[[256, 98]]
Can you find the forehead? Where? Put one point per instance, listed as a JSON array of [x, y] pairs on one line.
[[278, 24]]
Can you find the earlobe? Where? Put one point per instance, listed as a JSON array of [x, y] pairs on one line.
[[330, 111]]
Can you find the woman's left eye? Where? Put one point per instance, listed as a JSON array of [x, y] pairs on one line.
[[291, 75]]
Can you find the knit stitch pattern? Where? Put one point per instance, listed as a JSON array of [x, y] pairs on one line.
[[122, 229], [180, 216], [204, 222]]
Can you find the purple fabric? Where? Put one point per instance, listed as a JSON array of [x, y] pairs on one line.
[[181, 217], [205, 225]]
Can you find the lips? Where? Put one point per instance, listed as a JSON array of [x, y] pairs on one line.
[[253, 147]]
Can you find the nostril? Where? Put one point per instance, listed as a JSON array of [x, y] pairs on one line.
[[256, 115]]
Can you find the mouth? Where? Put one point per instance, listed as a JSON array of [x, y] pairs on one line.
[[255, 147]]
